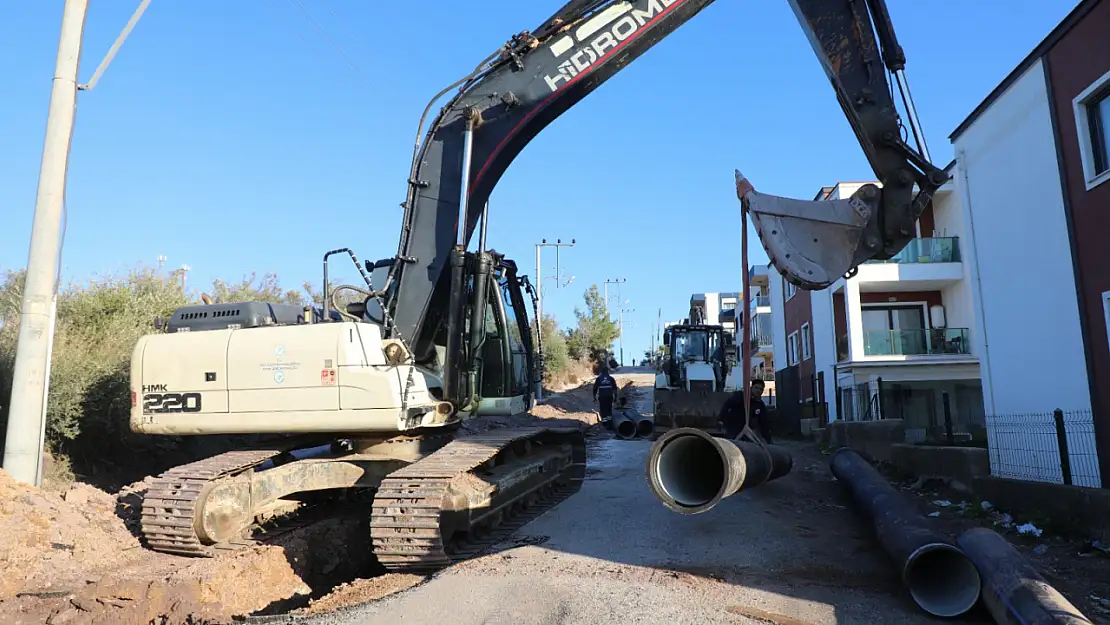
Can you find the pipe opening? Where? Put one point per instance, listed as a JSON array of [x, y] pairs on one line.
[[644, 427], [626, 429], [690, 470], [942, 580]]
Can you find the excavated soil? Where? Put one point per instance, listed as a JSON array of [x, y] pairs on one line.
[[75, 558]]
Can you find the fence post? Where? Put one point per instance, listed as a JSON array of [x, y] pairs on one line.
[[879, 404], [1062, 443], [949, 436]]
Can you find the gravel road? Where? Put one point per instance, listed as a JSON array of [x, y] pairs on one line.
[[788, 553]]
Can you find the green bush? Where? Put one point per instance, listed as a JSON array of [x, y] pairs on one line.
[[556, 358], [97, 326]]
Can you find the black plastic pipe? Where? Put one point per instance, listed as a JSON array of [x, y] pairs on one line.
[[1016, 594], [645, 426], [623, 425], [940, 578], [691, 471]]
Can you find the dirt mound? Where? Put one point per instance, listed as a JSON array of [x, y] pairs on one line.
[[362, 591], [51, 540]]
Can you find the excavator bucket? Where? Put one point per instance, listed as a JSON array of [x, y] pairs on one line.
[[813, 243], [694, 409]]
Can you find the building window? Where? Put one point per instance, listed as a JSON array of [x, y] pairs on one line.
[[805, 342], [791, 289], [792, 349], [1092, 121]]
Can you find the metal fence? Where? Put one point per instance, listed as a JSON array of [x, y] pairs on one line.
[[1056, 446]]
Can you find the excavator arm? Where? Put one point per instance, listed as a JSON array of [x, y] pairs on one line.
[[534, 77]]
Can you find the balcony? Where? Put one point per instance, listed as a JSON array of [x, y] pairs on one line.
[[761, 300], [950, 342], [760, 341], [926, 250]]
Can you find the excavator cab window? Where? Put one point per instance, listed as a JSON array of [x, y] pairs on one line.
[[518, 352], [492, 354]]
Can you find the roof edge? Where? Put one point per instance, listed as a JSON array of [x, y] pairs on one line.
[[1079, 12]]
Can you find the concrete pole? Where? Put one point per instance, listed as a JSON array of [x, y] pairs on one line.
[[539, 289], [22, 449], [46, 387]]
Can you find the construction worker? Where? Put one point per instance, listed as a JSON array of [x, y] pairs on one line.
[[732, 413], [605, 392]]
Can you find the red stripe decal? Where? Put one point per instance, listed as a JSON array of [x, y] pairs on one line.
[[543, 105]]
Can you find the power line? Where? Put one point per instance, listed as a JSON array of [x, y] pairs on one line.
[[343, 25], [294, 29], [319, 28]]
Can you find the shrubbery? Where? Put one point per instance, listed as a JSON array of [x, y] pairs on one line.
[[99, 322]]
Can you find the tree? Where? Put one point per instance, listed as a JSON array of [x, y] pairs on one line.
[[267, 290], [595, 331], [556, 356]]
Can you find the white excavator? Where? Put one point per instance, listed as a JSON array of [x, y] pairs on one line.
[[369, 397]]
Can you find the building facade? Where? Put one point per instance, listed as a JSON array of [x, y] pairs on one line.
[[893, 341], [1033, 173]]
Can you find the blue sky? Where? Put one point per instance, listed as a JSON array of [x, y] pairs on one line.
[[235, 136]]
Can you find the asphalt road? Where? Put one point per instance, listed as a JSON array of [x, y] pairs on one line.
[[788, 553]]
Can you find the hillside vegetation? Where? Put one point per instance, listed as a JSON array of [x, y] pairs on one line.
[[99, 322]]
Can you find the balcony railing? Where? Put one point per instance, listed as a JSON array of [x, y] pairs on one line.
[[761, 300], [916, 342], [760, 339], [932, 250]]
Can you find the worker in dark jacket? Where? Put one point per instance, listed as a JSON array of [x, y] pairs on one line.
[[605, 392], [732, 414]]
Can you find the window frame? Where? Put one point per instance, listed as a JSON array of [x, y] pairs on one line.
[[790, 289], [806, 337], [1091, 154], [792, 349]]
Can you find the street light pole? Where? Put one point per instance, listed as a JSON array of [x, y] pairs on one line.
[[22, 447]]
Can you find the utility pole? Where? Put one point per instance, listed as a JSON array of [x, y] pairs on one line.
[[539, 276], [22, 448], [184, 270], [608, 281], [620, 328]]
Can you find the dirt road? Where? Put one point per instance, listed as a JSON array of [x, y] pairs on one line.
[[788, 553]]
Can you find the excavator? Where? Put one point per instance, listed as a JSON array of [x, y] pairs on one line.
[[373, 396]]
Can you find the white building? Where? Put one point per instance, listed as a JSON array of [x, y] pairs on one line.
[[895, 340], [1034, 173]]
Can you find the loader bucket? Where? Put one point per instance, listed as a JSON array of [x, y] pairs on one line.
[[694, 409]]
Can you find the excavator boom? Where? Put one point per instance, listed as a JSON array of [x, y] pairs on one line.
[[536, 76]]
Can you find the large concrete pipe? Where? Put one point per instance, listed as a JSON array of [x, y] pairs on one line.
[[691, 471], [623, 425], [1015, 593], [645, 426], [939, 576]]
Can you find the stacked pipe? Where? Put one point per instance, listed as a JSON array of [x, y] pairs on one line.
[[624, 426], [940, 577], [691, 471], [645, 425]]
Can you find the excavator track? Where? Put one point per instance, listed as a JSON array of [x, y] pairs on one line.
[[409, 521], [169, 507]]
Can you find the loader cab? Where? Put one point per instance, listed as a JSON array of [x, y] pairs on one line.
[[695, 357]]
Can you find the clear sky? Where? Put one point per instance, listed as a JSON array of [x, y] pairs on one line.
[[235, 135]]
